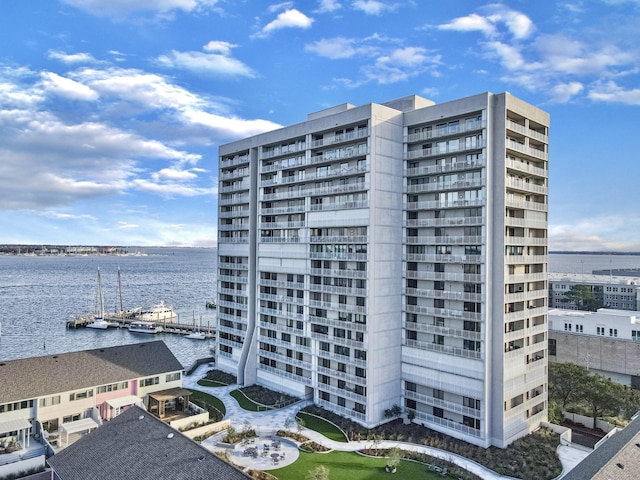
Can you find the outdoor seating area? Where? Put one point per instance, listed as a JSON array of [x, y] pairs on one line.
[[264, 453]]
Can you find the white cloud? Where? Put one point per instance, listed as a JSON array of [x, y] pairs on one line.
[[71, 58], [65, 87], [288, 19], [229, 127], [173, 174], [596, 234], [219, 46], [516, 23], [124, 8], [335, 48], [207, 63], [611, 92], [563, 92], [328, 6], [470, 23], [371, 7], [170, 190]]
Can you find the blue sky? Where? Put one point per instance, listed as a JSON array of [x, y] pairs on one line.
[[111, 112]]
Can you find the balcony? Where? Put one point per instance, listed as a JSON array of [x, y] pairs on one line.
[[433, 152], [437, 205], [444, 294], [333, 322], [283, 373], [516, 127], [448, 168], [530, 151], [444, 276], [463, 127], [444, 349], [522, 166], [526, 205], [280, 150], [517, 184], [446, 240], [456, 221], [336, 139], [442, 186], [449, 332], [227, 162]]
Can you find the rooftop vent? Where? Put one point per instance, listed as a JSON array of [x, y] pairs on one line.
[[170, 435]]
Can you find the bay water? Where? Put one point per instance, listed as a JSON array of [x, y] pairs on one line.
[[39, 294]]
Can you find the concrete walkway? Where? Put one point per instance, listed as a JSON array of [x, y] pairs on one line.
[[267, 423]]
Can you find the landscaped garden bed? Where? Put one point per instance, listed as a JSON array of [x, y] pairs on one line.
[[221, 378], [529, 458]]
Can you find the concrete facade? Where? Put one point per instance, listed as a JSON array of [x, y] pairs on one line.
[[606, 342], [392, 254]]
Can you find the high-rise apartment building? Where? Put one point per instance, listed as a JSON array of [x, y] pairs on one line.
[[392, 254]]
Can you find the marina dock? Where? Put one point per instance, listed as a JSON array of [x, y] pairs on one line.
[[125, 320]]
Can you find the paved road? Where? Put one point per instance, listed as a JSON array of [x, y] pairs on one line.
[[267, 423]]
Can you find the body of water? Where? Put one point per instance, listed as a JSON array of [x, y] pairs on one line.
[[585, 264], [39, 294]]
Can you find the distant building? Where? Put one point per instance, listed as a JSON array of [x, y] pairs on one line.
[[606, 342], [620, 293], [139, 446], [393, 254]]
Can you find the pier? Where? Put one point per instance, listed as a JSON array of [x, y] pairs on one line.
[[125, 320]]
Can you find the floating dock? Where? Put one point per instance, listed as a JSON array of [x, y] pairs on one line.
[[123, 321]]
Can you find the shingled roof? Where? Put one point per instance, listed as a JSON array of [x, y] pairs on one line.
[[618, 457], [41, 376], [137, 445]]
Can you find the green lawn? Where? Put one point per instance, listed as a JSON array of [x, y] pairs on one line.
[[210, 399], [210, 383], [322, 426], [351, 466]]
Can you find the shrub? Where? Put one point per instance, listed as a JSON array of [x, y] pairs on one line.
[[221, 377]]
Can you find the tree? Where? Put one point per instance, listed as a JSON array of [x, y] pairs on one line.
[[583, 297], [394, 455], [300, 423], [602, 395], [566, 381], [319, 473], [288, 423]]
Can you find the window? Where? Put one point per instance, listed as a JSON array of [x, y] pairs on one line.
[[147, 382], [438, 339], [172, 377], [567, 327], [471, 403], [80, 395], [600, 331], [472, 345], [579, 328], [438, 412], [613, 332], [635, 335], [552, 346], [439, 394], [49, 401]]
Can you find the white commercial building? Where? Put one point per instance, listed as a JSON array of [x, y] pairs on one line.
[[393, 254], [606, 342]]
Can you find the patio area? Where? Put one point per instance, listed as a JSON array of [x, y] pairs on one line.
[[264, 453]]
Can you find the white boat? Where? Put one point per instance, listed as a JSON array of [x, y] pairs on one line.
[[99, 322], [158, 313], [145, 327], [196, 335]]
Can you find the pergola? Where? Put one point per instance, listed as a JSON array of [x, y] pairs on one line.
[[158, 400], [115, 405], [77, 426], [20, 425]]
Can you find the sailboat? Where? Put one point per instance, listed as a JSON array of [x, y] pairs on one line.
[[99, 322], [197, 334]]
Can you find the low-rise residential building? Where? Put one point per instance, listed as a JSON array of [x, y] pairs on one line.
[[138, 445], [55, 396], [616, 292], [606, 342]]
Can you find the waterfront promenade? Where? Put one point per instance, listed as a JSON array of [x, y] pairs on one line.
[[267, 423]]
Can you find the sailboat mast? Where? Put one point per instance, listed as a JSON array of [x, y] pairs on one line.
[[100, 298], [120, 291]]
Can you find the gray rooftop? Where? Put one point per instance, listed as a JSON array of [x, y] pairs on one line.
[[618, 457], [139, 446], [41, 376]]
